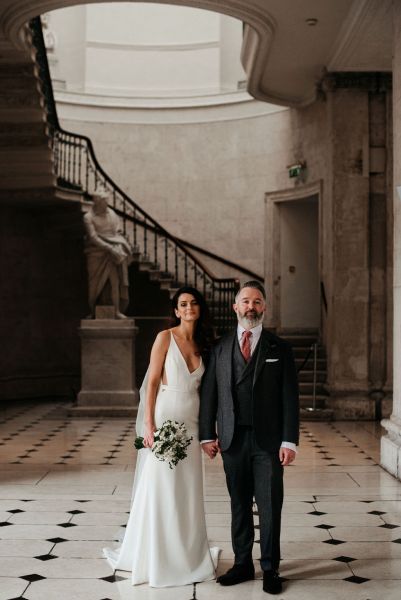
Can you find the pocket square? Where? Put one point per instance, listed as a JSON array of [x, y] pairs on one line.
[[272, 359]]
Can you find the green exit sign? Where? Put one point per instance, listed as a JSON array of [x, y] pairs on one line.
[[296, 170]]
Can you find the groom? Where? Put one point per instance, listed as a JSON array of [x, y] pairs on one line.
[[250, 389]]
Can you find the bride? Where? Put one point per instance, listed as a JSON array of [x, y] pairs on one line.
[[165, 542]]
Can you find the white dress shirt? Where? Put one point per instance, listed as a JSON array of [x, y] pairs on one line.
[[255, 337]]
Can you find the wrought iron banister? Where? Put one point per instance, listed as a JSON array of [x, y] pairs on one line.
[[77, 168], [225, 261]]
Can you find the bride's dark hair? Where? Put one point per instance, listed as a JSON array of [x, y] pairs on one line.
[[204, 334]]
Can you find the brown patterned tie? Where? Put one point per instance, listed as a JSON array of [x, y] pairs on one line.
[[246, 345]]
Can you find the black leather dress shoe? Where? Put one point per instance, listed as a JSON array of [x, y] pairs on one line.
[[272, 582], [237, 574]]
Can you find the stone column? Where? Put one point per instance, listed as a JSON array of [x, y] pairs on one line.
[[357, 333], [108, 368], [391, 441], [348, 337]]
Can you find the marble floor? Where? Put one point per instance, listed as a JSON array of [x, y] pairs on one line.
[[65, 486]]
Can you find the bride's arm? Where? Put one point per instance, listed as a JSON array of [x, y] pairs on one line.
[[157, 358]]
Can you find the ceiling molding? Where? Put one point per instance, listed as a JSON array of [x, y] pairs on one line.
[[261, 27], [362, 31], [362, 15], [103, 45]]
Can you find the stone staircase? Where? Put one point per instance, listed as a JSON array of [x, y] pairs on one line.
[[26, 158], [312, 408]]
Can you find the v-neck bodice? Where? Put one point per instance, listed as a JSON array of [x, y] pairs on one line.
[[177, 373]]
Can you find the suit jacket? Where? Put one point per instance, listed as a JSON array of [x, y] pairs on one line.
[[275, 399]]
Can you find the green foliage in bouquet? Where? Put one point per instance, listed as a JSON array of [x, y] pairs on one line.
[[170, 442]]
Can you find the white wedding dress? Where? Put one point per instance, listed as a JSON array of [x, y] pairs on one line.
[[165, 542]]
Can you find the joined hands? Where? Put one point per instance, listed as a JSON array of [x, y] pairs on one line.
[[211, 448]]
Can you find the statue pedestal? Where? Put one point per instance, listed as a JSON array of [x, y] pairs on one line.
[[108, 383]]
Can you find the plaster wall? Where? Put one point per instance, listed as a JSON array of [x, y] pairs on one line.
[[204, 182]]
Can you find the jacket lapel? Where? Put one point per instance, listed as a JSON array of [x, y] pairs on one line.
[[226, 357], [264, 347]]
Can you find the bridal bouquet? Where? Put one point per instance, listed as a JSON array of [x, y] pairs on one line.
[[170, 442]]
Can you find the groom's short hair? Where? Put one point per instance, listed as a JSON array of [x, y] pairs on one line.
[[252, 284]]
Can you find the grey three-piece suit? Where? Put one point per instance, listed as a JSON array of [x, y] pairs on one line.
[[255, 406]]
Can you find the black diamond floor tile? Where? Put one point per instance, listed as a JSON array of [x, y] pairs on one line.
[[66, 525], [113, 578], [15, 511], [4, 523], [83, 500], [333, 542], [56, 540], [356, 579], [344, 559], [76, 512], [389, 526], [45, 557], [376, 512], [317, 513], [32, 577], [324, 526]]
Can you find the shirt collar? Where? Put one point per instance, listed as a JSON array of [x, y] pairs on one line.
[[256, 331]]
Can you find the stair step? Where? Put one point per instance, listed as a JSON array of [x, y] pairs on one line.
[[20, 69], [321, 364], [306, 376], [23, 156], [321, 414], [307, 388], [165, 282], [154, 274], [21, 114], [24, 84], [307, 399], [145, 265], [26, 135], [26, 181], [300, 340], [302, 352], [30, 168]]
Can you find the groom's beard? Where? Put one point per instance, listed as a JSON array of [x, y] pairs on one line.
[[250, 319]]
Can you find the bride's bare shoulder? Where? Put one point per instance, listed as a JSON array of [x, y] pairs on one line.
[[163, 337]]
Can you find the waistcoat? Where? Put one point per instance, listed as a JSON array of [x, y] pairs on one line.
[[243, 373]]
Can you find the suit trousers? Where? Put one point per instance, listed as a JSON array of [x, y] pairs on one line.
[[254, 473]]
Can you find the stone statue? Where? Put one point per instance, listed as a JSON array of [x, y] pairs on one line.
[[108, 256]]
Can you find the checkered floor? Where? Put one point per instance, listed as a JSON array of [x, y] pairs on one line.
[[65, 491]]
